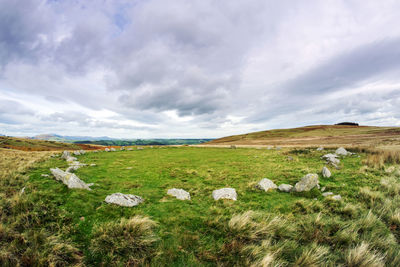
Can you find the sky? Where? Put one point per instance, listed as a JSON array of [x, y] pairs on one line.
[[196, 69]]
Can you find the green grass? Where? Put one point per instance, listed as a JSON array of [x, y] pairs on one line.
[[192, 232]]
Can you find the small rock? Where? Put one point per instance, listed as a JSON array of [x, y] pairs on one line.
[[125, 200], [270, 147], [320, 148], [130, 149], [22, 191], [323, 189], [266, 184], [179, 194], [93, 164], [326, 172], [307, 183], [390, 169], [82, 218], [65, 154], [140, 148], [69, 159], [122, 148], [327, 194], [113, 149], [44, 175], [82, 151], [77, 153], [285, 188], [290, 158], [129, 168], [342, 152], [337, 197], [233, 147], [225, 193], [278, 148], [107, 149]]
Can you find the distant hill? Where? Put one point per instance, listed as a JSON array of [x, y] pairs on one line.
[[39, 145], [145, 142], [329, 135], [61, 138]]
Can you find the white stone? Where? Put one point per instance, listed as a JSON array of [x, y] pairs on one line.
[[65, 154], [179, 193], [337, 197], [113, 149], [125, 200], [107, 149], [93, 164], [70, 159], [326, 172], [82, 151], [44, 175], [69, 179], [307, 183], [77, 153], [327, 194], [320, 148], [285, 187], [130, 149], [225, 193], [266, 184]]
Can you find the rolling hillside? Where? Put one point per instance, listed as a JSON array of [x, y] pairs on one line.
[[39, 145], [327, 135]]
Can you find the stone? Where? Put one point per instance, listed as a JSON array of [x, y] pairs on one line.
[[278, 148], [77, 153], [82, 151], [320, 148], [113, 149], [65, 154], [179, 193], [69, 179], [95, 151], [326, 172], [285, 188], [337, 197], [107, 149], [140, 148], [224, 193], [323, 189], [122, 148], [290, 158], [270, 147], [331, 158], [342, 152], [390, 169], [93, 164], [74, 165], [44, 175], [22, 191], [233, 147], [327, 194], [130, 149], [129, 168], [125, 200], [70, 159], [266, 184], [307, 183]]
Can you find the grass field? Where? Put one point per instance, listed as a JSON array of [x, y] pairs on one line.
[[328, 135], [259, 229]]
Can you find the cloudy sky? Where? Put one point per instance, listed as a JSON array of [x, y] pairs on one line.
[[199, 68]]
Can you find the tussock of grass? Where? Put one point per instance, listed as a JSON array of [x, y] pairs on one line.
[[378, 158], [129, 241], [363, 256], [312, 256]]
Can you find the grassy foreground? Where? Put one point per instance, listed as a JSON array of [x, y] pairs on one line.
[[49, 224]]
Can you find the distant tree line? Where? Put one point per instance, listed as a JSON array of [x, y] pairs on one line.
[[347, 123]]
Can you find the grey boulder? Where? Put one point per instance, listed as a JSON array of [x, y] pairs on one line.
[[266, 184], [326, 172], [342, 152], [125, 200], [224, 193], [179, 193], [69, 179], [285, 188], [307, 183]]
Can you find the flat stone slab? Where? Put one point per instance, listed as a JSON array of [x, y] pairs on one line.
[[179, 193], [307, 183], [285, 188], [266, 184], [69, 179], [225, 193], [124, 200]]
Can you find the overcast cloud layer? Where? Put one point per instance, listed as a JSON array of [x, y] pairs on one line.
[[154, 68]]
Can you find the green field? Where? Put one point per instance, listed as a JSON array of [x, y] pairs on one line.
[[303, 229]]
